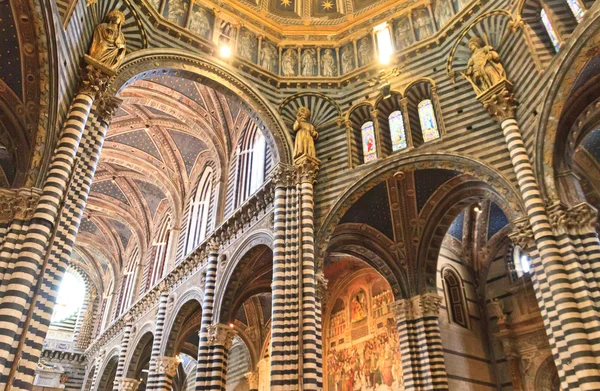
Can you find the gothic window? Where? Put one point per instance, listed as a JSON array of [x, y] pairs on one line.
[[199, 211], [520, 262], [577, 10], [106, 304], [455, 298], [250, 163], [397, 132], [161, 245], [368, 141], [550, 29], [429, 126]]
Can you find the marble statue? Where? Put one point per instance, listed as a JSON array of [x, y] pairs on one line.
[[247, 46], [108, 43], [268, 56], [403, 33], [177, 11], [484, 68], [365, 51], [422, 24], [200, 23], [289, 62], [306, 135], [328, 63], [309, 60], [347, 59], [443, 12]]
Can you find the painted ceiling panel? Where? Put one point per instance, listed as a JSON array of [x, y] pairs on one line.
[[152, 194], [189, 147], [181, 85], [123, 231], [497, 220], [456, 228], [373, 209], [592, 144], [428, 181], [138, 139], [121, 113], [265, 303], [88, 226], [8, 166], [10, 56], [111, 189]]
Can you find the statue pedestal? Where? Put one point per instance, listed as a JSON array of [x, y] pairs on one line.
[[90, 61], [499, 101], [308, 167]]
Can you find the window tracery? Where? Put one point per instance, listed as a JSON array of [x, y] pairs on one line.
[[251, 158], [199, 211]]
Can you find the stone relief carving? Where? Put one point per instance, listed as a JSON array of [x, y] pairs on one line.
[[247, 46], [422, 23], [328, 68], [108, 42], [403, 33], [443, 12], [347, 59], [177, 11], [268, 56], [309, 60], [365, 51], [200, 23], [289, 62]]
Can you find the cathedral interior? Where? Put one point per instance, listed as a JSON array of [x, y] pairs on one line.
[[339, 195]]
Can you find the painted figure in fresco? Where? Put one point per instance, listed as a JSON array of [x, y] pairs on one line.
[[328, 63], [358, 307], [268, 56], [403, 33], [347, 59], [247, 46], [484, 68], [306, 134], [108, 43], [200, 23], [422, 24], [309, 60], [365, 51], [289, 63], [443, 11], [177, 11]]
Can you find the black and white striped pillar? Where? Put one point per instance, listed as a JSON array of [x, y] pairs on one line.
[[123, 348], [159, 330], [220, 338]]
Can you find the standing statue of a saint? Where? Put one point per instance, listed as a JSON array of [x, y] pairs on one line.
[[108, 43], [306, 134], [484, 69]]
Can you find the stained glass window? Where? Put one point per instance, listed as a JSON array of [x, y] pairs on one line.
[[428, 123], [550, 29], [368, 140], [397, 131], [577, 10]]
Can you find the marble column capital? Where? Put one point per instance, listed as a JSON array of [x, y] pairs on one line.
[[128, 384], [220, 334], [417, 307], [307, 169], [562, 218], [499, 101], [167, 365], [283, 175], [94, 77], [18, 204], [107, 106], [522, 234]]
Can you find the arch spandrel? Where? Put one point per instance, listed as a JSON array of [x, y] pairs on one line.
[[214, 73]]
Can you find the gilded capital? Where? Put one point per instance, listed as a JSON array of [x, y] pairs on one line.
[[168, 365], [220, 334], [499, 101]]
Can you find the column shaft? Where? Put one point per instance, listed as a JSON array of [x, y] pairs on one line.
[[120, 374], [204, 351], [154, 378]]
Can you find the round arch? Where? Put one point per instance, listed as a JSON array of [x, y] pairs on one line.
[[139, 346], [189, 299], [216, 74], [107, 370]]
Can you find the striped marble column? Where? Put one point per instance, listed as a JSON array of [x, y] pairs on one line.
[[421, 348], [154, 377], [204, 351], [285, 309], [120, 374], [565, 289], [24, 325], [166, 369], [220, 338], [311, 354]]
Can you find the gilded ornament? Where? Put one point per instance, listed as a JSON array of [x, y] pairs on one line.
[[108, 43], [306, 135]]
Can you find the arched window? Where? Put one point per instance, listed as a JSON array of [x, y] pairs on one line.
[[161, 245], [429, 126], [455, 298], [199, 211], [577, 10], [550, 29], [397, 132], [521, 262], [368, 141], [251, 158]]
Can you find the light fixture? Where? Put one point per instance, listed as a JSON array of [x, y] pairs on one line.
[[225, 51], [231, 324]]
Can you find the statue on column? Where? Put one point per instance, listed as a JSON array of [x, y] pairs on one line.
[[108, 43], [484, 69], [306, 135]]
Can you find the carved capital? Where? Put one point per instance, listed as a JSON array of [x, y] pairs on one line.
[[128, 384], [320, 286], [401, 309], [213, 245], [307, 169], [499, 101], [252, 379], [107, 105], [283, 175], [580, 216], [522, 234], [220, 334], [168, 365], [94, 77], [18, 204], [428, 305]]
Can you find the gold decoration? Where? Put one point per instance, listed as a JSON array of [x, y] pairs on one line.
[[484, 69], [327, 5], [306, 135], [286, 3], [108, 43]]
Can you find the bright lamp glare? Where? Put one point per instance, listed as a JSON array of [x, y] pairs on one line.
[[384, 44], [225, 51]]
